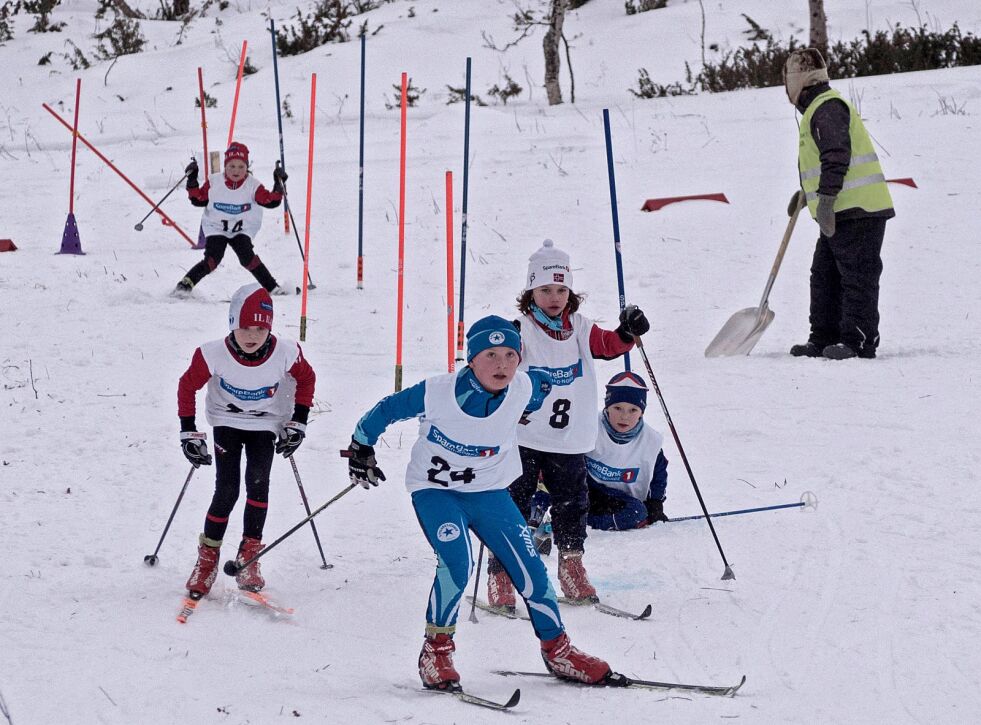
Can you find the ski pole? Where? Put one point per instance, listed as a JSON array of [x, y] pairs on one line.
[[279, 112], [139, 225], [299, 244], [231, 568], [476, 582], [799, 504], [151, 559], [727, 574], [306, 505], [463, 212]]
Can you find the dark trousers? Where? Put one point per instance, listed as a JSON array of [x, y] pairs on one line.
[[259, 446], [564, 475], [614, 510], [845, 285], [214, 251]]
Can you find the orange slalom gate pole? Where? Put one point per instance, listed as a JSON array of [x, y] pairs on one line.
[[450, 357], [238, 86], [306, 233], [167, 221], [71, 184], [204, 122], [401, 268]]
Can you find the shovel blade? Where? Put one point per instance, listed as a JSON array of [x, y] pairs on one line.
[[741, 332]]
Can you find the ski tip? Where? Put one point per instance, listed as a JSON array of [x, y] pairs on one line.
[[646, 613], [735, 689], [513, 700]]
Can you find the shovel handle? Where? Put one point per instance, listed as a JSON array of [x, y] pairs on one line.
[[782, 250]]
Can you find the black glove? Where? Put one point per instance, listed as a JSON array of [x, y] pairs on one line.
[[291, 438], [279, 179], [794, 201], [195, 449], [655, 511], [362, 466], [826, 215], [633, 321], [192, 174]]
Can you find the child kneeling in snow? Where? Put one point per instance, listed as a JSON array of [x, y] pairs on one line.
[[248, 405], [458, 474], [627, 472]]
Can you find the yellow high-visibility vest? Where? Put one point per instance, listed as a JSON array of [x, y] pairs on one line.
[[865, 184]]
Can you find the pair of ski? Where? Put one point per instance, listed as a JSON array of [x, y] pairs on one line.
[[614, 679], [511, 613], [254, 599]]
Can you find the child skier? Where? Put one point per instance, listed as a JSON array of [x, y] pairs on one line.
[[232, 203], [247, 405], [458, 473], [561, 343], [627, 471]]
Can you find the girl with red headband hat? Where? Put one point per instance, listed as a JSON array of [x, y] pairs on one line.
[[233, 202], [250, 375]]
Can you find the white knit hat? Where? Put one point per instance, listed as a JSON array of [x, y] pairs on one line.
[[549, 265]]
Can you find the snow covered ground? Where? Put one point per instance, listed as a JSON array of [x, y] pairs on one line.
[[864, 610]]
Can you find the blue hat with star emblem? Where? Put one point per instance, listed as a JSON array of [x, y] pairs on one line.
[[491, 331]]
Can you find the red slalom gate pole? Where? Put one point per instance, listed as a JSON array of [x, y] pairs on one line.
[[238, 86], [401, 269], [204, 122], [70, 241], [167, 221], [71, 184], [306, 233], [450, 357]]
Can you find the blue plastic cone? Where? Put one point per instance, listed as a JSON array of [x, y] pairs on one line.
[[70, 243]]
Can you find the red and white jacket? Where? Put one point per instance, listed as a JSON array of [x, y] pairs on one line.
[[248, 394]]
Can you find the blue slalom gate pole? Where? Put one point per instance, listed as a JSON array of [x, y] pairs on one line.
[[361, 177], [279, 120], [799, 504], [463, 226], [616, 218]]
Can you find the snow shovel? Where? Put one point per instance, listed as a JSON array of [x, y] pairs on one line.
[[745, 328]]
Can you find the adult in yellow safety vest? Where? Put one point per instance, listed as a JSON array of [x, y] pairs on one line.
[[845, 192]]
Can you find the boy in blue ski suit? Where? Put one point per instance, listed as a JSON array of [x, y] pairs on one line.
[[461, 465]]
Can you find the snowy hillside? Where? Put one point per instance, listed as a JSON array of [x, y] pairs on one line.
[[864, 610]]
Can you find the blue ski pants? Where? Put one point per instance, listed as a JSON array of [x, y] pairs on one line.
[[446, 516]]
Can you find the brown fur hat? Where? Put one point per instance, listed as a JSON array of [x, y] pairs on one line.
[[805, 67]]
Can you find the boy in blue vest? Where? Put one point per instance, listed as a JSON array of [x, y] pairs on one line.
[[846, 193], [461, 465]]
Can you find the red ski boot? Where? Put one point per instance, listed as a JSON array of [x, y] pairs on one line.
[[206, 569], [249, 578], [500, 590], [565, 661], [572, 577], [436, 663]]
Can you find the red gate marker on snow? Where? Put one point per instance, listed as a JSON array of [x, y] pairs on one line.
[[655, 204], [7, 245], [306, 232], [401, 267], [450, 364], [905, 181], [166, 220]]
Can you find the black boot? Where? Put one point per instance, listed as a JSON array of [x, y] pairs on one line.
[[808, 349], [841, 351]]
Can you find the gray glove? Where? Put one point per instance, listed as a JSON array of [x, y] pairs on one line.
[[826, 215], [794, 201]]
